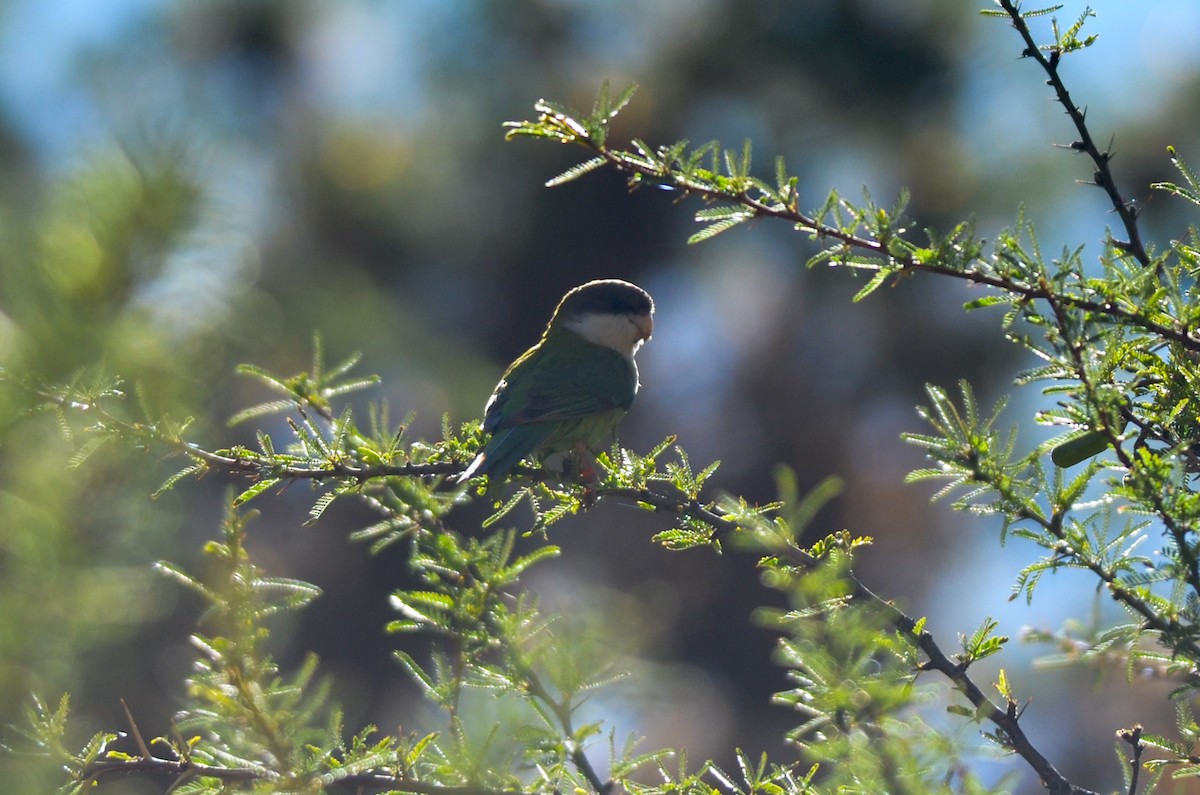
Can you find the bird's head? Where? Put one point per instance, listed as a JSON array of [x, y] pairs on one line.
[[609, 312]]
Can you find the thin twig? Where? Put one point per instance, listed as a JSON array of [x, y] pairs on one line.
[[937, 660], [1102, 177], [562, 711], [1133, 736], [1004, 719], [1179, 532]]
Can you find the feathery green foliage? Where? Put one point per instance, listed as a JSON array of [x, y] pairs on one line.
[[513, 688]]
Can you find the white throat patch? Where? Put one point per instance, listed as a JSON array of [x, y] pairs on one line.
[[618, 332]]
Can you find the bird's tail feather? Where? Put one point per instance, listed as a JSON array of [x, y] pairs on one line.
[[505, 450]]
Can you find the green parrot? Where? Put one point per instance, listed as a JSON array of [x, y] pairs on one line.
[[569, 391]]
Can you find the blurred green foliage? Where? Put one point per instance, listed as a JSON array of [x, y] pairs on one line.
[[74, 583]]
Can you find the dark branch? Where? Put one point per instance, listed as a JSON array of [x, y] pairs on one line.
[[1102, 177], [562, 711], [1133, 736], [1006, 720], [368, 781], [627, 164], [1179, 532]]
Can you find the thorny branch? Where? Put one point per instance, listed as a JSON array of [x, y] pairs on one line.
[[937, 660], [1038, 291], [247, 463], [1102, 177], [184, 770]]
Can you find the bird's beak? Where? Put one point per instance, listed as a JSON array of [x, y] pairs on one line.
[[645, 324]]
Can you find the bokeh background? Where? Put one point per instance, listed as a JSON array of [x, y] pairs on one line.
[[189, 185]]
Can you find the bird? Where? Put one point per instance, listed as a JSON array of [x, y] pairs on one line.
[[571, 389]]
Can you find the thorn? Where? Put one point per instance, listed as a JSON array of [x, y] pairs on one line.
[[137, 734], [1028, 52], [183, 778]]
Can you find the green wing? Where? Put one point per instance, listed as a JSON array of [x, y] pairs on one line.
[[566, 377], [554, 387]]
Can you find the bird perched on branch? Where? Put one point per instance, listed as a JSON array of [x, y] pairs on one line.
[[570, 390]]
